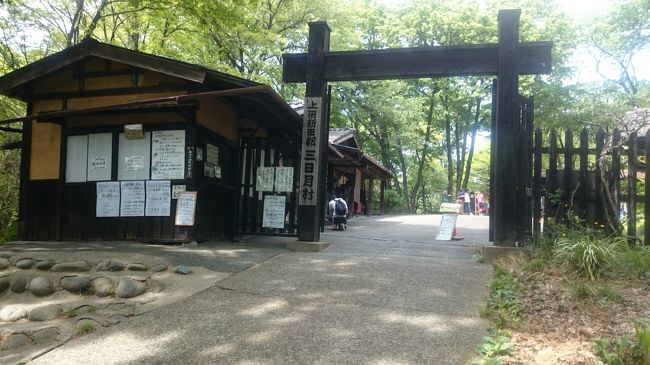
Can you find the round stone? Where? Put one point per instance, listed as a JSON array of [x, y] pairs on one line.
[[6, 254], [4, 263], [103, 287], [183, 270], [44, 313], [109, 266], [44, 265], [129, 288], [11, 313], [136, 267], [71, 266], [76, 284], [46, 335], [158, 268], [15, 340], [41, 286], [18, 283], [25, 264], [4, 283]]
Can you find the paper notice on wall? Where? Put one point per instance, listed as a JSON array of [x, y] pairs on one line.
[[108, 199], [185, 209], [274, 209], [133, 198], [264, 178], [177, 189], [134, 163], [159, 198], [167, 155], [284, 179], [99, 162], [212, 153]]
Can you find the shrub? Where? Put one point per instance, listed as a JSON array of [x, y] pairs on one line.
[[502, 305], [627, 350], [493, 347]]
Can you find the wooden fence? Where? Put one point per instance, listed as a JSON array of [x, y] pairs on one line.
[[587, 180]]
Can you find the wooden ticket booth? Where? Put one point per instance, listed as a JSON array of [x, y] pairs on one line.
[[115, 140]]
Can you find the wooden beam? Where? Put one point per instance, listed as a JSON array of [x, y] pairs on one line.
[[400, 63]]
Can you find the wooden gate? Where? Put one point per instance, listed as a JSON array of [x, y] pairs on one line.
[[588, 181], [271, 153]]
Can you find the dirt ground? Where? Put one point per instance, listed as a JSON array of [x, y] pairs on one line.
[[558, 326]]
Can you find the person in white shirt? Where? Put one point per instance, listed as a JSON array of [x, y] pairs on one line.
[[339, 209], [467, 207]]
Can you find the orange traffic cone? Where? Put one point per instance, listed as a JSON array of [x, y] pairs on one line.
[[455, 237]]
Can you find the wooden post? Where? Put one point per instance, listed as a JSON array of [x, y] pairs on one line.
[[599, 200], [616, 175], [584, 179], [631, 190], [493, 159], [25, 157], [646, 192], [552, 175], [309, 215], [568, 172], [382, 188], [369, 197], [537, 183], [508, 108]]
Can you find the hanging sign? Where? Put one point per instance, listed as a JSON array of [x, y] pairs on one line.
[[185, 209], [309, 170], [159, 198], [264, 179], [284, 179], [167, 155], [132, 198], [274, 209], [108, 199]]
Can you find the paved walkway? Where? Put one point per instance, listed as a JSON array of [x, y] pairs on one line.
[[384, 292]]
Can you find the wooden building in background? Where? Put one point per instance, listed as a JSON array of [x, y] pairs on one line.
[[352, 173], [86, 175]]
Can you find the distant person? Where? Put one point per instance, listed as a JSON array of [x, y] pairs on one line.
[[339, 209], [467, 207], [446, 197]]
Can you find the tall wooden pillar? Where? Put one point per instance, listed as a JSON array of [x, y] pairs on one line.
[[506, 187], [309, 213], [369, 197], [382, 188]]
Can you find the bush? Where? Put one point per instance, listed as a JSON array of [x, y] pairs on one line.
[[493, 347], [393, 202], [635, 262]]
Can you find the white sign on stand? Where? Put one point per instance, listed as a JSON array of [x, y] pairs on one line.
[[274, 209], [447, 227], [185, 209]]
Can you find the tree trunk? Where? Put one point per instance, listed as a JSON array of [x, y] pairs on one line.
[[423, 155], [450, 161], [402, 161], [470, 156]]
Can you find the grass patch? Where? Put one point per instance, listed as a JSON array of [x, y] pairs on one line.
[[587, 291], [85, 328], [633, 349], [502, 306]]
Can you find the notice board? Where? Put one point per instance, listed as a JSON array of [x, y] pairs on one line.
[[273, 216], [132, 198], [185, 209], [108, 199], [447, 226], [159, 198], [134, 156]]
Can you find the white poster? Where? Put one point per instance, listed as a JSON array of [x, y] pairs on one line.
[[159, 198], [273, 216], [264, 178], [108, 199], [76, 158], [133, 199], [134, 157], [100, 148], [309, 170], [284, 179], [167, 155], [447, 225], [185, 209]]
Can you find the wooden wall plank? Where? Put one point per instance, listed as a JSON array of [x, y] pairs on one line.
[[631, 189]]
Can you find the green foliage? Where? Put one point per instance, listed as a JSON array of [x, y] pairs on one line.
[[493, 347], [393, 202], [589, 291], [85, 327], [503, 306], [635, 262], [590, 253], [535, 264], [627, 350]]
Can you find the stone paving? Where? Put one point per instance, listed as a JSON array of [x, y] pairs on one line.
[[384, 292]]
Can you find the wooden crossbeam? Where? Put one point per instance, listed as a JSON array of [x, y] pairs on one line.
[[401, 63]]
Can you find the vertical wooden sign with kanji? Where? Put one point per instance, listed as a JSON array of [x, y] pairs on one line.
[[311, 149]]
